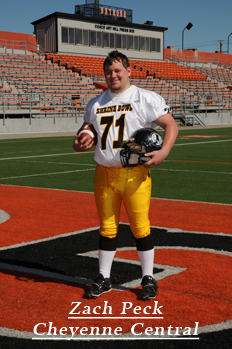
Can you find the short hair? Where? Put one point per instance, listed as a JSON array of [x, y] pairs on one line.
[[116, 56]]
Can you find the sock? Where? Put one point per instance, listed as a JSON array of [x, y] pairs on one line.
[[146, 260], [107, 250], [145, 250], [105, 262]]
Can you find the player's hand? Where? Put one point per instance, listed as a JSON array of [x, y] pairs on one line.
[[82, 144], [157, 157]]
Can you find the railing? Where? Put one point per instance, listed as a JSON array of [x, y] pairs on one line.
[[186, 60], [31, 98], [187, 108], [35, 105], [11, 46]]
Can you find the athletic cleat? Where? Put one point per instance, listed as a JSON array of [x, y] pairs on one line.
[[150, 288], [100, 285]]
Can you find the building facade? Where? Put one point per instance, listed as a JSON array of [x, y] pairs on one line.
[[96, 29]]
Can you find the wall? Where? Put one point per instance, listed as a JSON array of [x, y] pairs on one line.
[[9, 36], [40, 125], [99, 51], [50, 39], [64, 124]]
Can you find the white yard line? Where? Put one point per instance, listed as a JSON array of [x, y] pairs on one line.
[[41, 156], [47, 155], [63, 172], [211, 172], [93, 169], [196, 143], [47, 174], [60, 163]]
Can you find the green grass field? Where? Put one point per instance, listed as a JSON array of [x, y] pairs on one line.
[[197, 169]]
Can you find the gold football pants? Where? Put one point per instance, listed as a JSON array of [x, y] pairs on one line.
[[130, 185]]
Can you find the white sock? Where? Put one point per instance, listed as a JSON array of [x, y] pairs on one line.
[[147, 261], [105, 262]]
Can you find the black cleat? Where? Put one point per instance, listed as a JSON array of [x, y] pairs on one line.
[[150, 288], [100, 285]]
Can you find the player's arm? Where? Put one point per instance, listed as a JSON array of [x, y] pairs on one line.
[[170, 134], [82, 144]]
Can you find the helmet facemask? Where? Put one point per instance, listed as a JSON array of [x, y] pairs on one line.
[[133, 153]]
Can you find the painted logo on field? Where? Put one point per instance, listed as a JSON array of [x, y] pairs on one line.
[[51, 268]]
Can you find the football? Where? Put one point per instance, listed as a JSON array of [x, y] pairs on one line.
[[89, 132]]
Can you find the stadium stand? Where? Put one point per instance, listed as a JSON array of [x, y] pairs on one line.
[[31, 82], [140, 68], [40, 84]]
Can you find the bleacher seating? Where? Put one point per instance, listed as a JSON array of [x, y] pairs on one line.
[[31, 81], [93, 66], [61, 83], [166, 70]]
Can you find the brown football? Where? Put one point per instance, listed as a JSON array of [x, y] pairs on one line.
[[89, 132]]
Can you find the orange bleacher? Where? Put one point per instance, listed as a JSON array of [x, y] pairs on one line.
[[87, 65], [56, 78], [166, 70], [93, 66], [29, 81]]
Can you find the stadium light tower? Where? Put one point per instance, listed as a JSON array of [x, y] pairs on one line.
[[188, 26], [228, 43]]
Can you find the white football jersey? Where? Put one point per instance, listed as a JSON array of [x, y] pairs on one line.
[[115, 116]]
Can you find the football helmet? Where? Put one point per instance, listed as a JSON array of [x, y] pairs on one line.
[[142, 141]]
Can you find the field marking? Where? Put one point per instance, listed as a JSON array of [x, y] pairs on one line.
[[60, 163], [93, 169], [4, 216], [41, 156], [32, 139], [168, 230], [63, 172], [195, 143], [91, 192], [211, 172], [48, 174], [47, 155], [32, 151], [203, 136], [74, 163], [202, 162]]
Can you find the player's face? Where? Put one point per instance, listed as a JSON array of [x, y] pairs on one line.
[[117, 77]]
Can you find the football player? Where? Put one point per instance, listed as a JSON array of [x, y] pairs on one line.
[[116, 114]]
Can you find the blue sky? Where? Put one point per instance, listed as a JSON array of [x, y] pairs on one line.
[[211, 19]]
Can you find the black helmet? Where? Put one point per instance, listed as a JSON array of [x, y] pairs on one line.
[[142, 141]]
